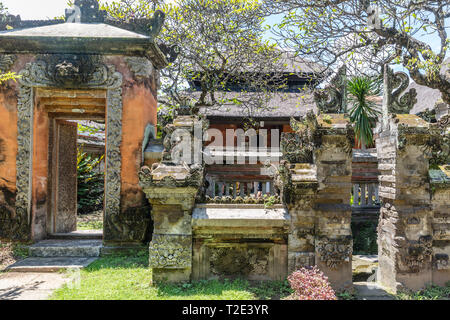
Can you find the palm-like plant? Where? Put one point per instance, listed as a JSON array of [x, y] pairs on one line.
[[363, 113]]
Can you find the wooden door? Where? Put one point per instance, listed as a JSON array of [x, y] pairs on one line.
[[65, 176]]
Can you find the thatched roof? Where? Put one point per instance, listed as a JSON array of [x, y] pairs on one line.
[[282, 106]]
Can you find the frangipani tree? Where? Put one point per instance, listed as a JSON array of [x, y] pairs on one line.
[[217, 44], [355, 32]]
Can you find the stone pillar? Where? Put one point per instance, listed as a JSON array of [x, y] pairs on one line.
[[171, 188], [333, 235], [440, 204], [316, 187], [300, 196], [404, 229]]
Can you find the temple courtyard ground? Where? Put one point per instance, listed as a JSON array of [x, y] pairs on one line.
[[127, 277]]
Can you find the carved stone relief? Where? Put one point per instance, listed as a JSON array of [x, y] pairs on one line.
[[418, 253], [141, 67], [396, 84], [333, 98]]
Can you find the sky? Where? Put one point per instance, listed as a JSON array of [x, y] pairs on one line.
[[48, 9], [36, 9]]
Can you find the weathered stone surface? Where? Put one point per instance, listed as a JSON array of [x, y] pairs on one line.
[[217, 258], [170, 251], [440, 200], [66, 248], [171, 188], [406, 229]]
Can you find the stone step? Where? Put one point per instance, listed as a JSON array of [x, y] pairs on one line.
[[39, 264], [66, 248], [78, 235]]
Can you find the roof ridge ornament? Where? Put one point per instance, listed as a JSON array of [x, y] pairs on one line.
[[85, 11], [333, 98]]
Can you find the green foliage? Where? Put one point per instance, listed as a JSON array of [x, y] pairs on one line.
[[127, 277], [90, 183], [431, 292], [4, 75], [363, 113], [269, 201], [90, 221], [364, 237]]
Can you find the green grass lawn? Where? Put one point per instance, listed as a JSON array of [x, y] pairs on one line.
[[129, 278], [90, 221]]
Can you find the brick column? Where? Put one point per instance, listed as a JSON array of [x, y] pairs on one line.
[[333, 235], [440, 204], [405, 223], [299, 196]]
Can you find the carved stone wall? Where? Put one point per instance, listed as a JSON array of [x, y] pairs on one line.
[[240, 240], [300, 191]]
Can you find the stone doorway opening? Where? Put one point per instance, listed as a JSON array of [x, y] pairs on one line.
[[76, 160]]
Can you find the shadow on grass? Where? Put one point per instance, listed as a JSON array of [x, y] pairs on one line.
[[119, 261], [212, 288], [261, 290]]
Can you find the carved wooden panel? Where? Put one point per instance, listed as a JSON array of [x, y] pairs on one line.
[[65, 183]]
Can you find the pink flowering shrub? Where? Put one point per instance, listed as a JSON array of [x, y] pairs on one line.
[[310, 284]]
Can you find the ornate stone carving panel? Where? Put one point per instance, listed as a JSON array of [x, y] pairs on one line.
[[334, 252], [171, 251], [235, 261]]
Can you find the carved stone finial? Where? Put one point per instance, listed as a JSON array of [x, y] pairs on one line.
[[333, 99], [157, 23], [395, 84], [85, 11]]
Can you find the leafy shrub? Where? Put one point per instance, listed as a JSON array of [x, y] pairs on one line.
[[431, 292], [365, 237], [310, 284], [91, 183]]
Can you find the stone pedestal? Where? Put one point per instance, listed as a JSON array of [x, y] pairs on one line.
[[172, 203], [405, 237], [171, 188], [240, 240]]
